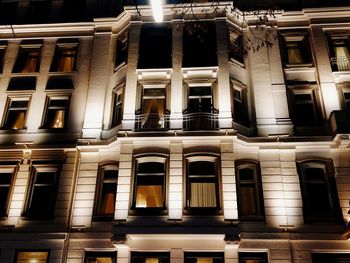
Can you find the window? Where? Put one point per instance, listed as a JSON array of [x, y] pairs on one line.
[[330, 257], [150, 257], [303, 105], [199, 38], [15, 116], [252, 257], [39, 11], [149, 183], [56, 112], [106, 190], [32, 256], [121, 56], [65, 58], [7, 175], [344, 95], [22, 83], [340, 55], [100, 257], [117, 105], [249, 191], [236, 46], [28, 59], [204, 257], [202, 184], [3, 46], [239, 102], [296, 49], [41, 193], [155, 46], [319, 192]]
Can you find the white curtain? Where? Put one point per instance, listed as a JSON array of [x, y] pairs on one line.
[[203, 195]]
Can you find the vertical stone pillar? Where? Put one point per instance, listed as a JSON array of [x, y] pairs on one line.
[[231, 253], [176, 255], [123, 254]]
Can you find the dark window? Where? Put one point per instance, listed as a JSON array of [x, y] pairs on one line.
[[346, 96], [340, 55], [29, 256], [74, 11], [252, 257], [16, 113], [200, 99], [121, 55], [240, 107], [204, 257], [39, 11], [249, 191], [7, 175], [236, 48], [100, 257], [3, 46], [8, 12], [155, 46], [41, 194], [330, 258], [117, 114], [65, 58], [202, 186], [295, 48], [149, 185], [59, 82], [319, 192], [56, 112], [28, 59], [150, 257], [22, 83], [199, 38], [106, 191]]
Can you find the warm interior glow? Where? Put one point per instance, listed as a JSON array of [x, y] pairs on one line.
[[32, 257], [149, 196], [157, 10]]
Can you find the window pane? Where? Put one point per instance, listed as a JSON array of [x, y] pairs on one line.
[[251, 257], [4, 192], [41, 200], [66, 62], [149, 196], [29, 257], [55, 119], [100, 257], [246, 174], [5, 178], [151, 167], [201, 168], [27, 61], [202, 195], [108, 198], [16, 119], [319, 203], [248, 200]]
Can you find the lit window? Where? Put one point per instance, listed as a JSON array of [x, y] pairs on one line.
[[202, 188], [42, 190], [121, 56], [16, 113], [204, 257], [150, 257], [56, 112], [149, 185], [319, 193], [340, 55], [7, 175], [65, 57], [252, 257], [3, 46], [295, 48], [28, 59], [249, 191], [117, 106], [100, 257], [32, 256], [236, 49], [106, 190]]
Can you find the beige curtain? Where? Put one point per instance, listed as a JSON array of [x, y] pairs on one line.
[[149, 196], [203, 195], [151, 260], [248, 203], [101, 260], [204, 260], [28, 257], [18, 120], [152, 108], [295, 56], [31, 62], [58, 119], [108, 204], [66, 62]]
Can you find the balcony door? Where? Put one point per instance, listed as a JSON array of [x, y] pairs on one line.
[[153, 108]]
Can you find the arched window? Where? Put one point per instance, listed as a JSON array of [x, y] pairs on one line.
[[249, 191]]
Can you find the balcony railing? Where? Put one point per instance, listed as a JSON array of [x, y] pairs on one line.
[[340, 63], [151, 122], [201, 120]]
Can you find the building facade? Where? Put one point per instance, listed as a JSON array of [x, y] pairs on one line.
[[195, 140]]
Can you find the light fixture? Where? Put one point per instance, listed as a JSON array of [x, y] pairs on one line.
[[157, 10]]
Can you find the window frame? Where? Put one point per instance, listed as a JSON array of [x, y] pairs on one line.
[[140, 254], [243, 256], [237, 86], [63, 45], [190, 254], [13, 169], [259, 195], [326, 165], [145, 158], [3, 47], [233, 46], [17, 251], [344, 88], [9, 100], [103, 253], [56, 96], [208, 157], [122, 45], [23, 49], [109, 166], [116, 120], [36, 168]]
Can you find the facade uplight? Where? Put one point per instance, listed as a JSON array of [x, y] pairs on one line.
[[157, 10]]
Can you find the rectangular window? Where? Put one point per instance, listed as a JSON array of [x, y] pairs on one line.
[[204, 257], [202, 191], [121, 55], [65, 58], [56, 112], [296, 49], [28, 58], [15, 117], [339, 51], [100, 257], [236, 46], [239, 104], [3, 46], [199, 38], [41, 194], [330, 257], [7, 175], [106, 191], [32, 256], [117, 114], [252, 257], [149, 185], [150, 257]]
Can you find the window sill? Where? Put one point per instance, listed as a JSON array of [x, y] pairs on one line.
[[7, 130], [37, 218], [148, 211], [62, 73], [103, 218], [120, 66], [203, 211], [237, 62], [303, 65], [53, 130]]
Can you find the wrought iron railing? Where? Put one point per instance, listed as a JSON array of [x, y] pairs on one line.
[[340, 63], [200, 120], [151, 122]]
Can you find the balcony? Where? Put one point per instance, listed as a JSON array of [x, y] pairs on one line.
[[340, 63], [201, 120], [151, 121]]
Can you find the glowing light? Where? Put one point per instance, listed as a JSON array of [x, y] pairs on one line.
[[157, 10]]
